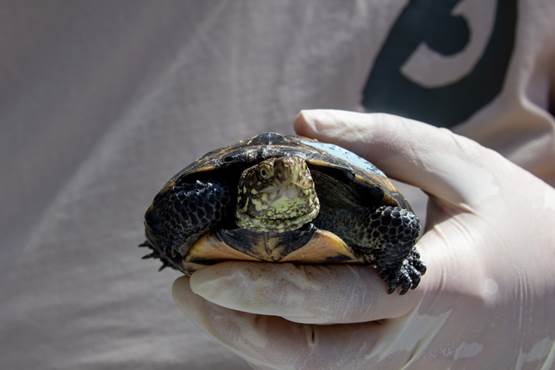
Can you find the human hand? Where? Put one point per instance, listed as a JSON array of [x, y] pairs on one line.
[[486, 301]]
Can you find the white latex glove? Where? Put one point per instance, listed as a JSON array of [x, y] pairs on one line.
[[486, 302]]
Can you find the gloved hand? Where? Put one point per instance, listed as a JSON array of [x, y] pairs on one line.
[[486, 302]]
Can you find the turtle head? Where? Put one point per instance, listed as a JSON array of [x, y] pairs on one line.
[[276, 194]]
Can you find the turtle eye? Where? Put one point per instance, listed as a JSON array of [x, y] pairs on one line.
[[265, 172]]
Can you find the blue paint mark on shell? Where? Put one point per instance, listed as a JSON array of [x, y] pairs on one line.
[[337, 151]]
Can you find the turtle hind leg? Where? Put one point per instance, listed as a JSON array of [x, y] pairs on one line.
[[394, 232], [179, 215]]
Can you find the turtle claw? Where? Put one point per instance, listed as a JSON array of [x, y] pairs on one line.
[[144, 244], [151, 255], [406, 283], [164, 265], [415, 277], [403, 282], [400, 280], [406, 277]]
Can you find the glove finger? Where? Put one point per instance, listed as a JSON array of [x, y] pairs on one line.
[[323, 294], [446, 165], [273, 342], [258, 339]]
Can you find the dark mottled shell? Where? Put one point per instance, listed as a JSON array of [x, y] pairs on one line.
[[317, 154]]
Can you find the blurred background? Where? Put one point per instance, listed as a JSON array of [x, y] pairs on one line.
[[101, 102]]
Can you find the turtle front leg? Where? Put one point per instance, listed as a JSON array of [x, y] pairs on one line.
[[384, 237], [180, 215], [392, 234]]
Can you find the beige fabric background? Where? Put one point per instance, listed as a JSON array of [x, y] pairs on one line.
[[101, 102]]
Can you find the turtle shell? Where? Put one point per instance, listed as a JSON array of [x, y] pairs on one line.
[[318, 154], [320, 245]]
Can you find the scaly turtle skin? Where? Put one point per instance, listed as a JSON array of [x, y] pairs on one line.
[[285, 198]]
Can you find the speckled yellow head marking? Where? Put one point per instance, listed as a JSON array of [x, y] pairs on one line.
[[276, 195]]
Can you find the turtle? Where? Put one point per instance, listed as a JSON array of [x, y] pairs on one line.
[[285, 198]]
